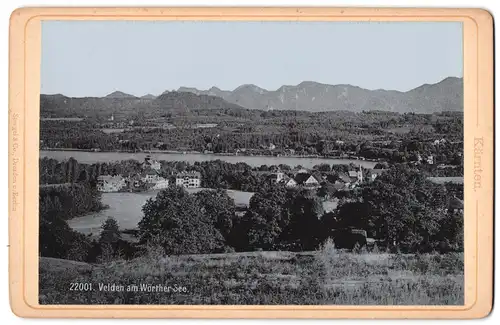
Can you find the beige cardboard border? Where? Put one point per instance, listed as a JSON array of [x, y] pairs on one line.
[[24, 89]]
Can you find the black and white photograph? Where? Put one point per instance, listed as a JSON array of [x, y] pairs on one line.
[[251, 163]]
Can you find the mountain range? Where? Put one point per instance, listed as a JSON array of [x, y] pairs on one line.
[[446, 95]]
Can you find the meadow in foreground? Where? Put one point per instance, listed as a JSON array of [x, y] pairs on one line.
[[324, 277]]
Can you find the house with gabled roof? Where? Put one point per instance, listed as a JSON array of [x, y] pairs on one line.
[[290, 183], [345, 178], [339, 185], [306, 179]]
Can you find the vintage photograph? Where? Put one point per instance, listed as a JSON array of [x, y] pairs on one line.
[[251, 163]]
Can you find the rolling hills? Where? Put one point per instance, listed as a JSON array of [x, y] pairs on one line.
[[446, 95]]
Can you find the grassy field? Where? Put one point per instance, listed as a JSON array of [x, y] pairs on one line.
[[323, 277]]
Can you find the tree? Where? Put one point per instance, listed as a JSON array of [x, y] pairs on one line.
[[381, 165], [176, 220], [73, 170], [303, 210], [323, 167], [327, 190], [56, 238], [218, 207], [110, 233], [264, 221], [320, 146], [354, 215], [284, 167]]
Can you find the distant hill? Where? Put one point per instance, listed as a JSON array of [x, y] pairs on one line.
[[446, 95], [168, 102], [62, 106], [148, 96], [186, 101], [120, 95]]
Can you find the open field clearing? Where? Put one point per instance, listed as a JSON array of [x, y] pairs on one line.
[[325, 277], [127, 209]]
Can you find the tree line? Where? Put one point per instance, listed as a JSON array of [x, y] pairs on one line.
[[58, 203], [401, 209], [389, 136]]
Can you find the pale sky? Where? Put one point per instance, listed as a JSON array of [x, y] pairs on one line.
[[95, 58]]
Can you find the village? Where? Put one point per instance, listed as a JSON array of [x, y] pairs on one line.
[[151, 178]]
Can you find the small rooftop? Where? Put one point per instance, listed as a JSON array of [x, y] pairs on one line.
[[190, 173], [353, 173], [343, 177]]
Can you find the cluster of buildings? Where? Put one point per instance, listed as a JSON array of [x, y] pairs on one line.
[[135, 182], [148, 179], [429, 160], [341, 181]]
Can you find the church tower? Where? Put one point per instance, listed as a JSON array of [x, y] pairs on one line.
[[360, 174]]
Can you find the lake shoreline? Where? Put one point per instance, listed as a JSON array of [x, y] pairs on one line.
[[91, 157], [193, 152], [126, 208]]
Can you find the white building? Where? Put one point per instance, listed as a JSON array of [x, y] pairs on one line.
[[430, 160], [276, 177], [151, 176], [154, 179], [161, 184], [188, 179], [108, 183]]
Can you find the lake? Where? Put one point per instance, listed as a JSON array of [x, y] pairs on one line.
[[126, 209], [254, 161]]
